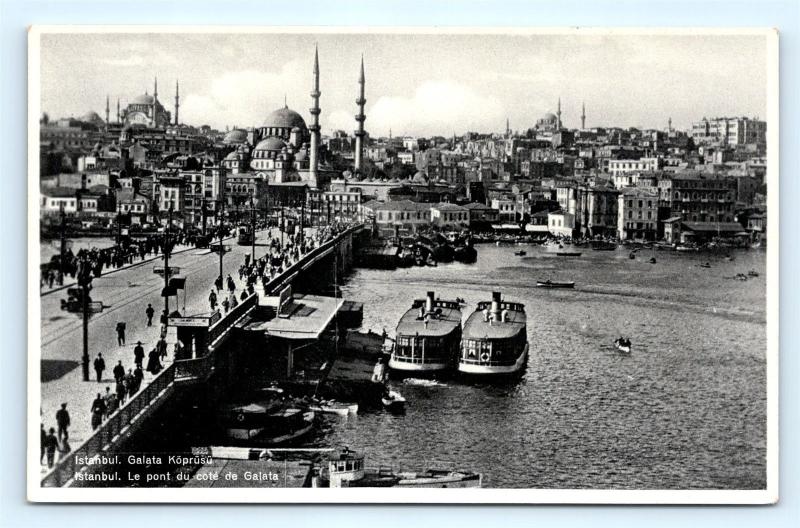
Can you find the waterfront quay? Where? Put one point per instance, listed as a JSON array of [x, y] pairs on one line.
[[125, 295]]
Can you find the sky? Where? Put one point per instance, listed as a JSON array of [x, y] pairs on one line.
[[420, 84]]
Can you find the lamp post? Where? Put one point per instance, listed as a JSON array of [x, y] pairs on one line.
[[253, 228], [63, 243]]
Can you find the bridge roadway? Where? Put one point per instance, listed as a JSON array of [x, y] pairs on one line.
[[125, 294]]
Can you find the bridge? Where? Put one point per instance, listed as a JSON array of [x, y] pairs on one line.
[[202, 361]]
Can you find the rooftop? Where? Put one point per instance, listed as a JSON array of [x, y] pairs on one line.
[[477, 328], [439, 325]]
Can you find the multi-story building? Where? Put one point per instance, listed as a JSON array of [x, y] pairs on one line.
[[625, 166], [449, 216], [699, 197], [637, 213], [406, 215], [729, 131]]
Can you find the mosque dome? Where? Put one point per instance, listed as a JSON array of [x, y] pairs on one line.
[[235, 136], [232, 156], [143, 99], [91, 117], [285, 118], [271, 143], [549, 117]]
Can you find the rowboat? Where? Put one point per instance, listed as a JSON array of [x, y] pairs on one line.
[[554, 284], [520, 253], [626, 348], [393, 401], [334, 407], [568, 254]]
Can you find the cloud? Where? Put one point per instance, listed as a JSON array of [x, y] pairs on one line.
[[437, 108], [243, 98], [133, 60]]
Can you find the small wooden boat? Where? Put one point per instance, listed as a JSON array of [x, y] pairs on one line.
[[568, 253], [521, 253], [705, 265], [752, 273], [632, 256], [652, 260], [333, 407], [393, 401], [623, 346], [554, 284]]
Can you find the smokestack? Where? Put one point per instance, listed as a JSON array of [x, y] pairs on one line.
[[429, 302], [496, 297]]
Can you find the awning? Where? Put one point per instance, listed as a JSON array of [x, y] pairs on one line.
[[531, 228], [505, 227], [305, 318]]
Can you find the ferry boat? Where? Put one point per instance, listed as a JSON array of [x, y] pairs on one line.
[[267, 422], [427, 337], [346, 469], [495, 339]]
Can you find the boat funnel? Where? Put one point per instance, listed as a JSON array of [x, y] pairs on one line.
[[429, 302], [496, 297]]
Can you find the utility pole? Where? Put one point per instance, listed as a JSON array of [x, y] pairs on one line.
[[119, 228], [85, 283], [63, 244], [253, 226], [283, 224], [221, 249], [167, 273], [302, 222]]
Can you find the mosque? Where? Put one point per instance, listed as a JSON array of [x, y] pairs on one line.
[[284, 150]]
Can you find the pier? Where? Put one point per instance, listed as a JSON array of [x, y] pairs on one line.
[[201, 358]]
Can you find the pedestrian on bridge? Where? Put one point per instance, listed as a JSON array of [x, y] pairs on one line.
[[50, 445], [212, 300], [218, 283], [120, 333], [62, 419], [138, 354], [161, 346], [98, 411], [99, 367], [149, 312], [118, 371], [121, 391]]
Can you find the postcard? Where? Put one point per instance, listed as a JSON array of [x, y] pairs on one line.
[[403, 265]]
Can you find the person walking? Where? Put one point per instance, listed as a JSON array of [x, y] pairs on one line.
[[218, 282], [62, 419], [149, 312], [42, 442], [225, 304], [99, 367], [153, 364], [138, 354], [163, 319], [120, 333], [161, 346], [130, 383], [118, 371], [212, 300], [50, 445], [138, 377], [108, 398], [121, 391], [98, 411]]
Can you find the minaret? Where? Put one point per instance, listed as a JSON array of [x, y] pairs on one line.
[[313, 157], [583, 116], [155, 102], [177, 102], [669, 125], [360, 117], [119, 116], [508, 128], [558, 113], [108, 112]]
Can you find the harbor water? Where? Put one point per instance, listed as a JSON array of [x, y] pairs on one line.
[[685, 410]]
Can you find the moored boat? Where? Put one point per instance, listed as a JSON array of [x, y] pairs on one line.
[[346, 469], [427, 337], [554, 284], [568, 253], [333, 407], [494, 339], [267, 422], [521, 253]]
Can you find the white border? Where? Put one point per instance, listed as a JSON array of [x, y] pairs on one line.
[[410, 496]]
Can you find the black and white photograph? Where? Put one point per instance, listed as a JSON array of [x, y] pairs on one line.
[[534, 265]]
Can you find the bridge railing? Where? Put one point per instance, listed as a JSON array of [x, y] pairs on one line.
[[108, 431], [228, 320]]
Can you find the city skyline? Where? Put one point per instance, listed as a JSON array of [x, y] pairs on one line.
[[415, 84]]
